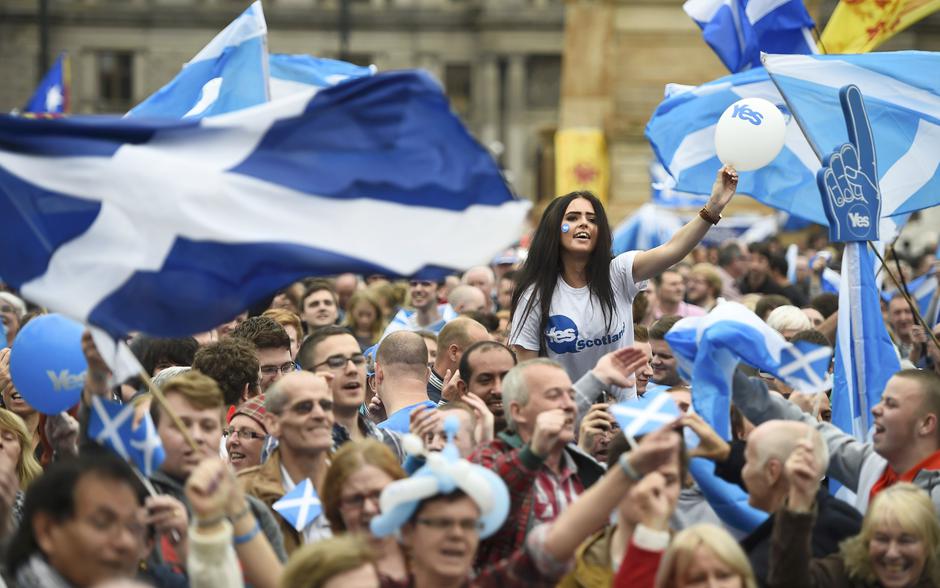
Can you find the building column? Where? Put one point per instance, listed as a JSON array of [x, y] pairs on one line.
[[516, 125], [485, 108]]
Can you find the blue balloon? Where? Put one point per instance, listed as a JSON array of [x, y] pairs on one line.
[[47, 364]]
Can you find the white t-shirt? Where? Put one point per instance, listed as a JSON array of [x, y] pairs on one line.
[[576, 334]]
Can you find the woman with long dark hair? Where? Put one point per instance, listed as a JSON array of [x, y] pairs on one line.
[[572, 302]]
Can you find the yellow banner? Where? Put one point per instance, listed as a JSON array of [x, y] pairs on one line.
[[858, 26], [581, 162]]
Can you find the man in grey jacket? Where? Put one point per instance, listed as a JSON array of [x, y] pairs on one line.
[[905, 445]]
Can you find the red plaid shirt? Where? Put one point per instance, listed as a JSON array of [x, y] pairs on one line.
[[523, 471]]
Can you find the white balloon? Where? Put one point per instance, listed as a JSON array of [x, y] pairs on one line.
[[750, 134]]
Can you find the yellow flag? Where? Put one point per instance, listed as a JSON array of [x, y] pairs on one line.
[[581, 162], [858, 26]]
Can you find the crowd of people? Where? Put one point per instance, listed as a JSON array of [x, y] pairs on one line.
[[459, 433]]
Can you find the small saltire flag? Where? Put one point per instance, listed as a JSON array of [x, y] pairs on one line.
[[860, 27], [682, 135], [738, 30], [645, 414], [709, 348], [865, 356], [902, 99], [300, 506], [110, 424], [230, 73], [296, 73], [650, 226], [53, 92], [922, 290], [172, 227]]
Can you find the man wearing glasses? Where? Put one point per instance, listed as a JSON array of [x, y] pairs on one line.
[[272, 345], [333, 351], [299, 414]]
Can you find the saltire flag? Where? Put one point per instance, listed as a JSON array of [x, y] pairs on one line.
[[110, 424], [646, 414], [865, 356], [922, 290], [664, 193], [296, 73], [728, 500], [172, 227], [648, 227], [301, 506], [709, 348], [682, 135], [860, 26], [738, 30], [53, 94], [230, 73], [902, 98]]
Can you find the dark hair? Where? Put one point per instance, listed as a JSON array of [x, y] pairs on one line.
[[449, 497], [728, 253], [658, 330], [811, 335], [309, 346], [489, 320], [264, 332], [53, 493], [232, 363], [618, 446], [768, 302], [315, 286], [466, 370], [538, 275], [151, 351], [826, 303], [778, 263]]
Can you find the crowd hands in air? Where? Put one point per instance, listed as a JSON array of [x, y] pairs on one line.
[[439, 458]]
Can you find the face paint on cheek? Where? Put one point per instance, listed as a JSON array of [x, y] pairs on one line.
[[565, 228]]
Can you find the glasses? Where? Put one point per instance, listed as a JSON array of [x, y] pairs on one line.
[[358, 500], [306, 407], [339, 361], [284, 368], [243, 434], [109, 524], [7, 309], [444, 523]]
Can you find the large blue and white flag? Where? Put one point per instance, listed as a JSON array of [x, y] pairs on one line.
[[230, 73], [682, 135], [173, 227], [52, 94], [738, 30], [865, 356], [664, 193], [902, 97], [110, 424], [648, 227], [709, 348], [297, 73], [301, 506]]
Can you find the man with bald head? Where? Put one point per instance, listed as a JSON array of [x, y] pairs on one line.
[[299, 414], [768, 447], [465, 299], [452, 341], [401, 378], [482, 278]]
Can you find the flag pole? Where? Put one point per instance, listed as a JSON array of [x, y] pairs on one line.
[[161, 400], [907, 297]]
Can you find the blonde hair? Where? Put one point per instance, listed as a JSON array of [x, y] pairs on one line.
[[27, 468], [312, 566], [286, 318], [378, 324], [197, 389], [787, 318], [678, 558], [344, 463], [711, 276], [910, 508]]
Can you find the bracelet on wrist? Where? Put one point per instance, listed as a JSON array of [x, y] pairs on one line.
[[709, 216], [242, 539], [241, 514], [628, 469], [210, 522]]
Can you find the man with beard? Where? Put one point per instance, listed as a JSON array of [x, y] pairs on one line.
[[334, 351]]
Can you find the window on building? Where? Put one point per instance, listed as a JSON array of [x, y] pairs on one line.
[[457, 84], [115, 71], [543, 83]]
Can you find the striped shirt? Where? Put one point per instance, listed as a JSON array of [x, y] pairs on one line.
[[555, 492]]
